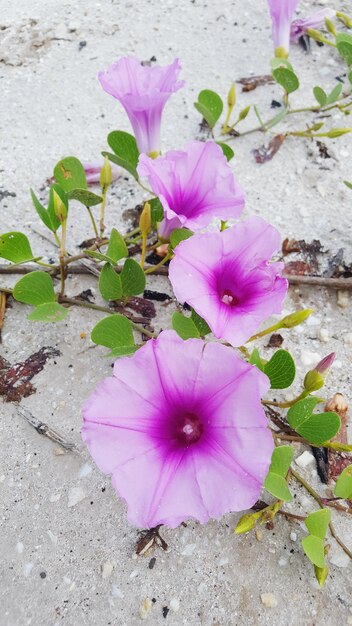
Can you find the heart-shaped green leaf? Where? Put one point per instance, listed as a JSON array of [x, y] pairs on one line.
[[344, 46], [200, 324], [343, 487], [69, 174], [314, 549], [132, 278], [281, 370], [35, 288], [110, 283], [48, 217], [210, 106], [275, 481], [84, 197], [15, 247], [184, 326], [284, 74], [316, 428], [320, 95], [156, 211], [126, 153], [228, 152], [114, 331], [178, 235], [117, 248]]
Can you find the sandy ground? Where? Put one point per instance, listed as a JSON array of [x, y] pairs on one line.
[[67, 550]]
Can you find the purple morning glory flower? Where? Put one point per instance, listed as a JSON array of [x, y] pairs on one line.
[[181, 428], [281, 15], [316, 20], [227, 278], [143, 92], [194, 186]]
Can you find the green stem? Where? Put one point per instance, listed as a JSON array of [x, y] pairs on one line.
[[6, 290], [286, 405], [62, 257], [95, 228], [318, 499], [103, 309], [296, 439], [44, 264], [266, 331], [144, 249], [102, 211], [150, 270], [57, 238]]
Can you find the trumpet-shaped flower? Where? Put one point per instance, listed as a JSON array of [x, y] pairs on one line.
[[227, 278], [181, 428], [143, 92], [316, 20], [281, 12], [194, 186]]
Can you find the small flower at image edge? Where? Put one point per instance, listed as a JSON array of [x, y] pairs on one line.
[[227, 278], [143, 92], [299, 27], [181, 428], [281, 12], [194, 186]]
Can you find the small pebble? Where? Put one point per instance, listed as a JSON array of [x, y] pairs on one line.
[[272, 550], [85, 470], [75, 495], [116, 592], [343, 299], [348, 338], [293, 536], [174, 604], [55, 497], [340, 559], [188, 549], [19, 547], [305, 459], [107, 569], [269, 600], [282, 562], [323, 335], [259, 534], [51, 536], [27, 568], [58, 451], [310, 358], [145, 607]]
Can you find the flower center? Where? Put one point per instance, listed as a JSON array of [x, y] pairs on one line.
[[189, 429], [229, 298]]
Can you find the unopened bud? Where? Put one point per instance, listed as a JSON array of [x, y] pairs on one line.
[[295, 318], [60, 208], [313, 381], [344, 18], [330, 26], [243, 114], [145, 220], [321, 574], [231, 96], [315, 34], [337, 132], [106, 174], [325, 364], [245, 524]]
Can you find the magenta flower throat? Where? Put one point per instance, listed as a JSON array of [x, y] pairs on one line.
[[181, 428]]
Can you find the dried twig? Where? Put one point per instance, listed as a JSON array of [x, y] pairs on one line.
[[44, 429]]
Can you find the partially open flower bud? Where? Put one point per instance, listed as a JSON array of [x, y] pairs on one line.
[[325, 364], [59, 207], [295, 318], [106, 174], [145, 221], [245, 524], [315, 378]]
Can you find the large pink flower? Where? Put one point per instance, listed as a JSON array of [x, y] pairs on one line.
[[281, 15], [143, 92], [227, 278], [181, 428], [194, 186], [316, 20]]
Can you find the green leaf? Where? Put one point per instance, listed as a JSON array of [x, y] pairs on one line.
[[110, 285], [178, 235], [320, 96], [126, 153], [256, 360], [275, 481], [117, 248], [35, 288], [284, 74], [349, 185], [210, 106], [48, 312], [132, 278], [156, 211], [48, 217], [334, 94], [200, 324], [314, 549], [15, 247], [84, 196], [318, 523], [184, 326], [343, 487], [281, 370], [69, 174], [344, 46], [114, 331], [228, 152], [316, 428]]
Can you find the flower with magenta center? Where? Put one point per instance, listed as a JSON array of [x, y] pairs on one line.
[[181, 428], [143, 92], [281, 12], [194, 186], [227, 278], [316, 20]]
